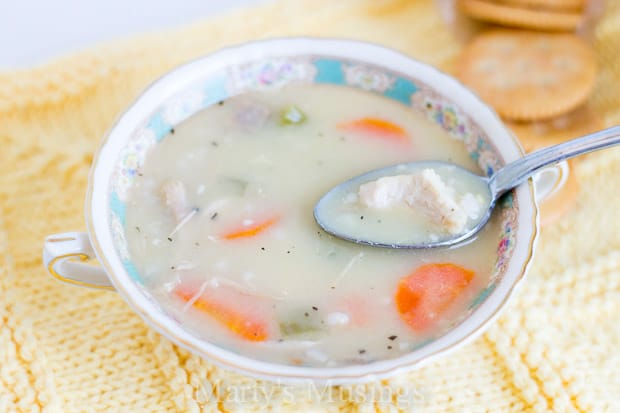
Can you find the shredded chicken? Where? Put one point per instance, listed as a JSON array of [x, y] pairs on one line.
[[424, 191], [174, 196], [183, 221]]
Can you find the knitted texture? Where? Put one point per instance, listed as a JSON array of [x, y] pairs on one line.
[[67, 349]]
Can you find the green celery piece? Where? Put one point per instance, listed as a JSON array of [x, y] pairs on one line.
[[298, 324], [292, 115], [295, 329]]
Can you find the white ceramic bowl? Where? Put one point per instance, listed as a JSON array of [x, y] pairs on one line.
[[272, 64]]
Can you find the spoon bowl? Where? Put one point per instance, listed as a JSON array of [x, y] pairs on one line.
[[393, 231], [410, 225]]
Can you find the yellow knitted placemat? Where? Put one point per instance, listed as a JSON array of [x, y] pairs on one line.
[[69, 349]]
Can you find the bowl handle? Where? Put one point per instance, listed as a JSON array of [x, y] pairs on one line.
[[550, 180], [66, 258]]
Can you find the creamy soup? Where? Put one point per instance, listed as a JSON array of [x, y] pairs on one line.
[[220, 226]]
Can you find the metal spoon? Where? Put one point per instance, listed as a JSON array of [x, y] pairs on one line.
[[489, 189]]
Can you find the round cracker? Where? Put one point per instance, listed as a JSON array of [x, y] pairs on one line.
[[538, 135], [560, 5], [529, 75], [521, 17]]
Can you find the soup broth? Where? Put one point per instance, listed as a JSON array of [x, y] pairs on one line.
[[220, 227]]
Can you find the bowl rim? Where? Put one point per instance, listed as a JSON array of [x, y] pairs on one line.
[[98, 218]]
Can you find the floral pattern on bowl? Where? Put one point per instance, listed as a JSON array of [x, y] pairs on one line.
[[459, 126], [271, 73], [368, 78], [131, 160]]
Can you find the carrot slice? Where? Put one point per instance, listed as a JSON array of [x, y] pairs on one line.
[[251, 230], [225, 308], [423, 296], [376, 127]]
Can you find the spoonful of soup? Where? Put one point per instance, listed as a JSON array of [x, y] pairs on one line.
[[427, 204]]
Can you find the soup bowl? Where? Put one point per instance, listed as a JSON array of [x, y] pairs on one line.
[[272, 64]]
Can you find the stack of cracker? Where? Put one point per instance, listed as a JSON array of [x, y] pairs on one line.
[[537, 74]]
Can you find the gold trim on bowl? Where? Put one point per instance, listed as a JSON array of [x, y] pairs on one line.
[[82, 257]]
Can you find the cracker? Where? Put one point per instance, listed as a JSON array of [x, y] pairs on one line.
[[560, 5], [538, 135], [529, 75], [521, 17]]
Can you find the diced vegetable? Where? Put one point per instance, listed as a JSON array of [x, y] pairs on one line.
[[292, 115], [424, 295], [233, 309], [297, 328], [376, 127], [251, 230], [300, 323]]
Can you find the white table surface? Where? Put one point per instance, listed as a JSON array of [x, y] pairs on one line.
[[34, 31]]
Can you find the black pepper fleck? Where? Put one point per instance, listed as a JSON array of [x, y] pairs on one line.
[[197, 244], [393, 337], [172, 131], [169, 239], [389, 347], [172, 267], [361, 351], [262, 248], [315, 308], [214, 216], [306, 314], [214, 143], [288, 252], [361, 216], [138, 229], [221, 103]]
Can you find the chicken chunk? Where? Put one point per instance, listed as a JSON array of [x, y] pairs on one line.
[[425, 192], [174, 196]]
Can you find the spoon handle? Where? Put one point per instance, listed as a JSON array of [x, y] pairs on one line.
[[518, 171]]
